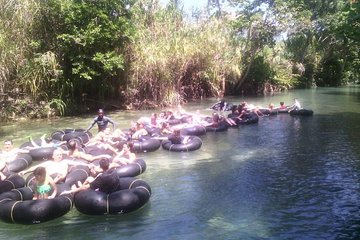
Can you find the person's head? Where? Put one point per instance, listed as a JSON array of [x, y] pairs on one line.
[[48, 139], [8, 145], [139, 125], [104, 164], [40, 174], [271, 106], [100, 113], [282, 103], [57, 155], [73, 145], [233, 108], [215, 117], [177, 132], [128, 146]]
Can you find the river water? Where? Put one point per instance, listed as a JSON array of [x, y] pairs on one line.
[[283, 178]]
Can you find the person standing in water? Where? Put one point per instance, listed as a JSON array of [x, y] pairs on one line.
[[102, 121]]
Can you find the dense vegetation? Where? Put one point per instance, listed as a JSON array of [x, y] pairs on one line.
[[68, 56]]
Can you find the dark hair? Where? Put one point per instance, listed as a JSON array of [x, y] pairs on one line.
[[100, 111], [8, 140], [104, 164], [72, 144], [40, 171], [130, 145], [281, 103], [216, 117], [233, 108]]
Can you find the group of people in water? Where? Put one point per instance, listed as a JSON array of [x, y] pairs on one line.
[[50, 172], [116, 146]]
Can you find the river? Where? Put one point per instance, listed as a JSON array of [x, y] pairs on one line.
[[283, 178]]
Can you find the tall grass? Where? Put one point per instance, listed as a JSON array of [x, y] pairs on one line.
[[174, 61], [15, 18]]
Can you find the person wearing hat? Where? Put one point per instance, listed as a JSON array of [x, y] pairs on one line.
[[102, 121]]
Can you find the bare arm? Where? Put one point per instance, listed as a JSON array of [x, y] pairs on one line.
[[53, 185], [90, 158]]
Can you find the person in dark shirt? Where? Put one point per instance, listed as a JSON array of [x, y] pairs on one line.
[[176, 137], [106, 181], [102, 121]]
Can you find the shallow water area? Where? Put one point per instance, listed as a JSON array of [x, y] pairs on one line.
[[286, 177]]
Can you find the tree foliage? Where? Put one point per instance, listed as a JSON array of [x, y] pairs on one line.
[[66, 54]]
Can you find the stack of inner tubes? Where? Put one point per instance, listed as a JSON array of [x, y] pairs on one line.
[[192, 144], [17, 206], [21, 162], [12, 182], [131, 195]]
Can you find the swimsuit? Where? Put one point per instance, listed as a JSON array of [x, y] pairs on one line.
[[43, 189]]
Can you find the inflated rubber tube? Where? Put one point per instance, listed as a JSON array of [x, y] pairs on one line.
[[283, 110], [153, 131], [221, 128], [193, 144], [43, 153], [58, 135], [96, 151], [38, 142], [84, 137], [216, 107], [302, 112], [196, 130], [174, 121], [268, 111], [17, 206], [249, 118], [148, 145], [132, 169], [133, 194], [76, 174], [12, 182], [29, 144], [21, 162]]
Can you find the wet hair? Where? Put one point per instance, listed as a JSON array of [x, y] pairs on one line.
[[104, 164], [72, 145], [216, 117], [281, 103], [233, 108], [130, 145], [40, 171]]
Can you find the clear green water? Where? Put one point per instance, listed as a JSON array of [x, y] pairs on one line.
[[283, 178]]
